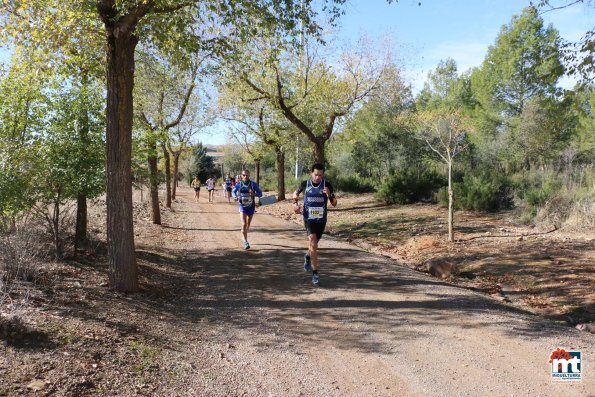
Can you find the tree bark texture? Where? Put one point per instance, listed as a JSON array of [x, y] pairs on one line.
[[319, 151], [121, 43], [257, 166], [80, 233], [176, 172], [154, 185], [280, 160], [56, 227], [167, 170]]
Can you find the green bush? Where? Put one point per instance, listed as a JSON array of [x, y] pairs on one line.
[[410, 186], [536, 197], [483, 192], [353, 184], [535, 189], [268, 181], [549, 198]]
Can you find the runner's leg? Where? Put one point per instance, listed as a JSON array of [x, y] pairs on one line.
[[249, 222], [313, 250], [245, 225]]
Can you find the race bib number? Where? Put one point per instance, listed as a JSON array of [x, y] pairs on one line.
[[246, 201], [315, 212]]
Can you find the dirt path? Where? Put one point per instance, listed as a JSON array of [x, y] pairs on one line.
[[372, 329], [221, 321]]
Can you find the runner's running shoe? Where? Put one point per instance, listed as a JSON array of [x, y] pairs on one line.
[[315, 279], [246, 245], [307, 263]]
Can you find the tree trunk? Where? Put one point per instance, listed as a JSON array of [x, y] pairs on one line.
[[176, 170], [80, 234], [450, 204], [121, 43], [154, 184], [56, 228], [167, 170], [257, 166], [319, 151], [280, 173]]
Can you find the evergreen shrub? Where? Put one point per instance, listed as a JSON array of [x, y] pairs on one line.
[[482, 192], [353, 184], [410, 186]]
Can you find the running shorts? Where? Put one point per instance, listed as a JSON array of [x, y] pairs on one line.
[[247, 211], [316, 228]]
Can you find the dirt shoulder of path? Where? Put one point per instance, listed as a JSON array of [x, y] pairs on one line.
[[549, 272]]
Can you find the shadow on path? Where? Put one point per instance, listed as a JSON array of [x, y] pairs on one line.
[[267, 291]]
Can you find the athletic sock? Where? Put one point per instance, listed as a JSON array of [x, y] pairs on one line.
[[314, 271]]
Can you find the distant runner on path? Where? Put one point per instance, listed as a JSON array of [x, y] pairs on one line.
[[196, 185], [211, 189], [317, 193], [228, 185], [244, 192]]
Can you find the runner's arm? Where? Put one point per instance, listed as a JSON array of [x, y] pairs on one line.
[[257, 191], [331, 196], [234, 191], [296, 194], [296, 197]]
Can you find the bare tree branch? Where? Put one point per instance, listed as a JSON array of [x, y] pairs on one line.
[[186, 99]]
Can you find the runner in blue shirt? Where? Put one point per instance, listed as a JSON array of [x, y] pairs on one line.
[[317, 193], [245, 192]]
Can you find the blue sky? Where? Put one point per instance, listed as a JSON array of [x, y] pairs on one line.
[[460, 29]]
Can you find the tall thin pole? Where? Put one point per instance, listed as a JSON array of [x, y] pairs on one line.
[[301, 67], [297, 156]]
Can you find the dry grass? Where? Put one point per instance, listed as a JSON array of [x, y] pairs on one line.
[[581, 215]]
